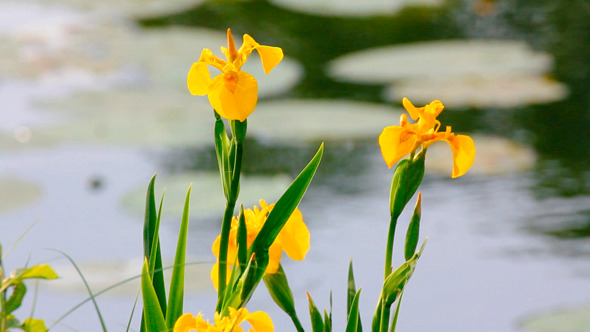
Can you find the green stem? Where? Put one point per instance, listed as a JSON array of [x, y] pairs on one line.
[[237, 145], [389, 250], [225, 229], [385, 314]]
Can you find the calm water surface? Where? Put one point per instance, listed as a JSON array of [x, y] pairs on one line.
[[501, 248]]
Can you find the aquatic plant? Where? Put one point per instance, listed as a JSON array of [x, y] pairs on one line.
[[250, 245]]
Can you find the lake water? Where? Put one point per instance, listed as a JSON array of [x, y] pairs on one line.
[[93, 103]]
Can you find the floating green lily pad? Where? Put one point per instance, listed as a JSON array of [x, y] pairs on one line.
[[207, 199], [104, 274], [17, 193], [471, 73], [566, 320], [320, 120], [132, 117], [352, 8], [494, 155]]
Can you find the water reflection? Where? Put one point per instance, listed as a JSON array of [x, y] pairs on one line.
[[517, 241]]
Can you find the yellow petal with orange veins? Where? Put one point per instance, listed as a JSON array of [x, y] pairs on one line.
[[463, 154], [270, 57], [412, 110], [236, 104], [260, 322], [198, 79], [395, 143], [295, 237], [185, 323]]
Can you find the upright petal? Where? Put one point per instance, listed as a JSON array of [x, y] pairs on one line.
[[395, 143], [294, 237], [260, 322], [412, 110], [198, 79], [463, 153], [270, 57], [236, 105]]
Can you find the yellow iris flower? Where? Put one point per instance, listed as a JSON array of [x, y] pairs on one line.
[[259, 320], [399, 141], [233, 93], [293, 239]]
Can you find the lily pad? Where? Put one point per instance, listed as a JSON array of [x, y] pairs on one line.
[[168, 53], [565, 320], [461, 73], [479, 93], [207, 199], [104, 274], [291, 121], [494, 155], [485, 59], [132, 117], [17, 193], [117, 53], [130, 8], [352, 8], [38, 40]]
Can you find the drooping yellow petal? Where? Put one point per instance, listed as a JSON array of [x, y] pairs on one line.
[[260, 322], [198, 79], [185, 323], [237, 104], [270, 57], [463, 153], [275, 252], [294, 237], [395, 143]]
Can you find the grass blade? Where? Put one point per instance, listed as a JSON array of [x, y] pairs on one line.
[[92, 297]]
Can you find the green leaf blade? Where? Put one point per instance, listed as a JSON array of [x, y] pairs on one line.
[[175, 302], [152, 312]]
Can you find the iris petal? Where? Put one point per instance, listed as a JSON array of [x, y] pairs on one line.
[[198, 79], [236, 105], [395, 143], [295, 237], [412, 110], [463, 154], [260, 322], [185, 323], [270, 57]]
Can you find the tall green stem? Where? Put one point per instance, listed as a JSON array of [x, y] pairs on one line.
[[389, 250], [235, 156]]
